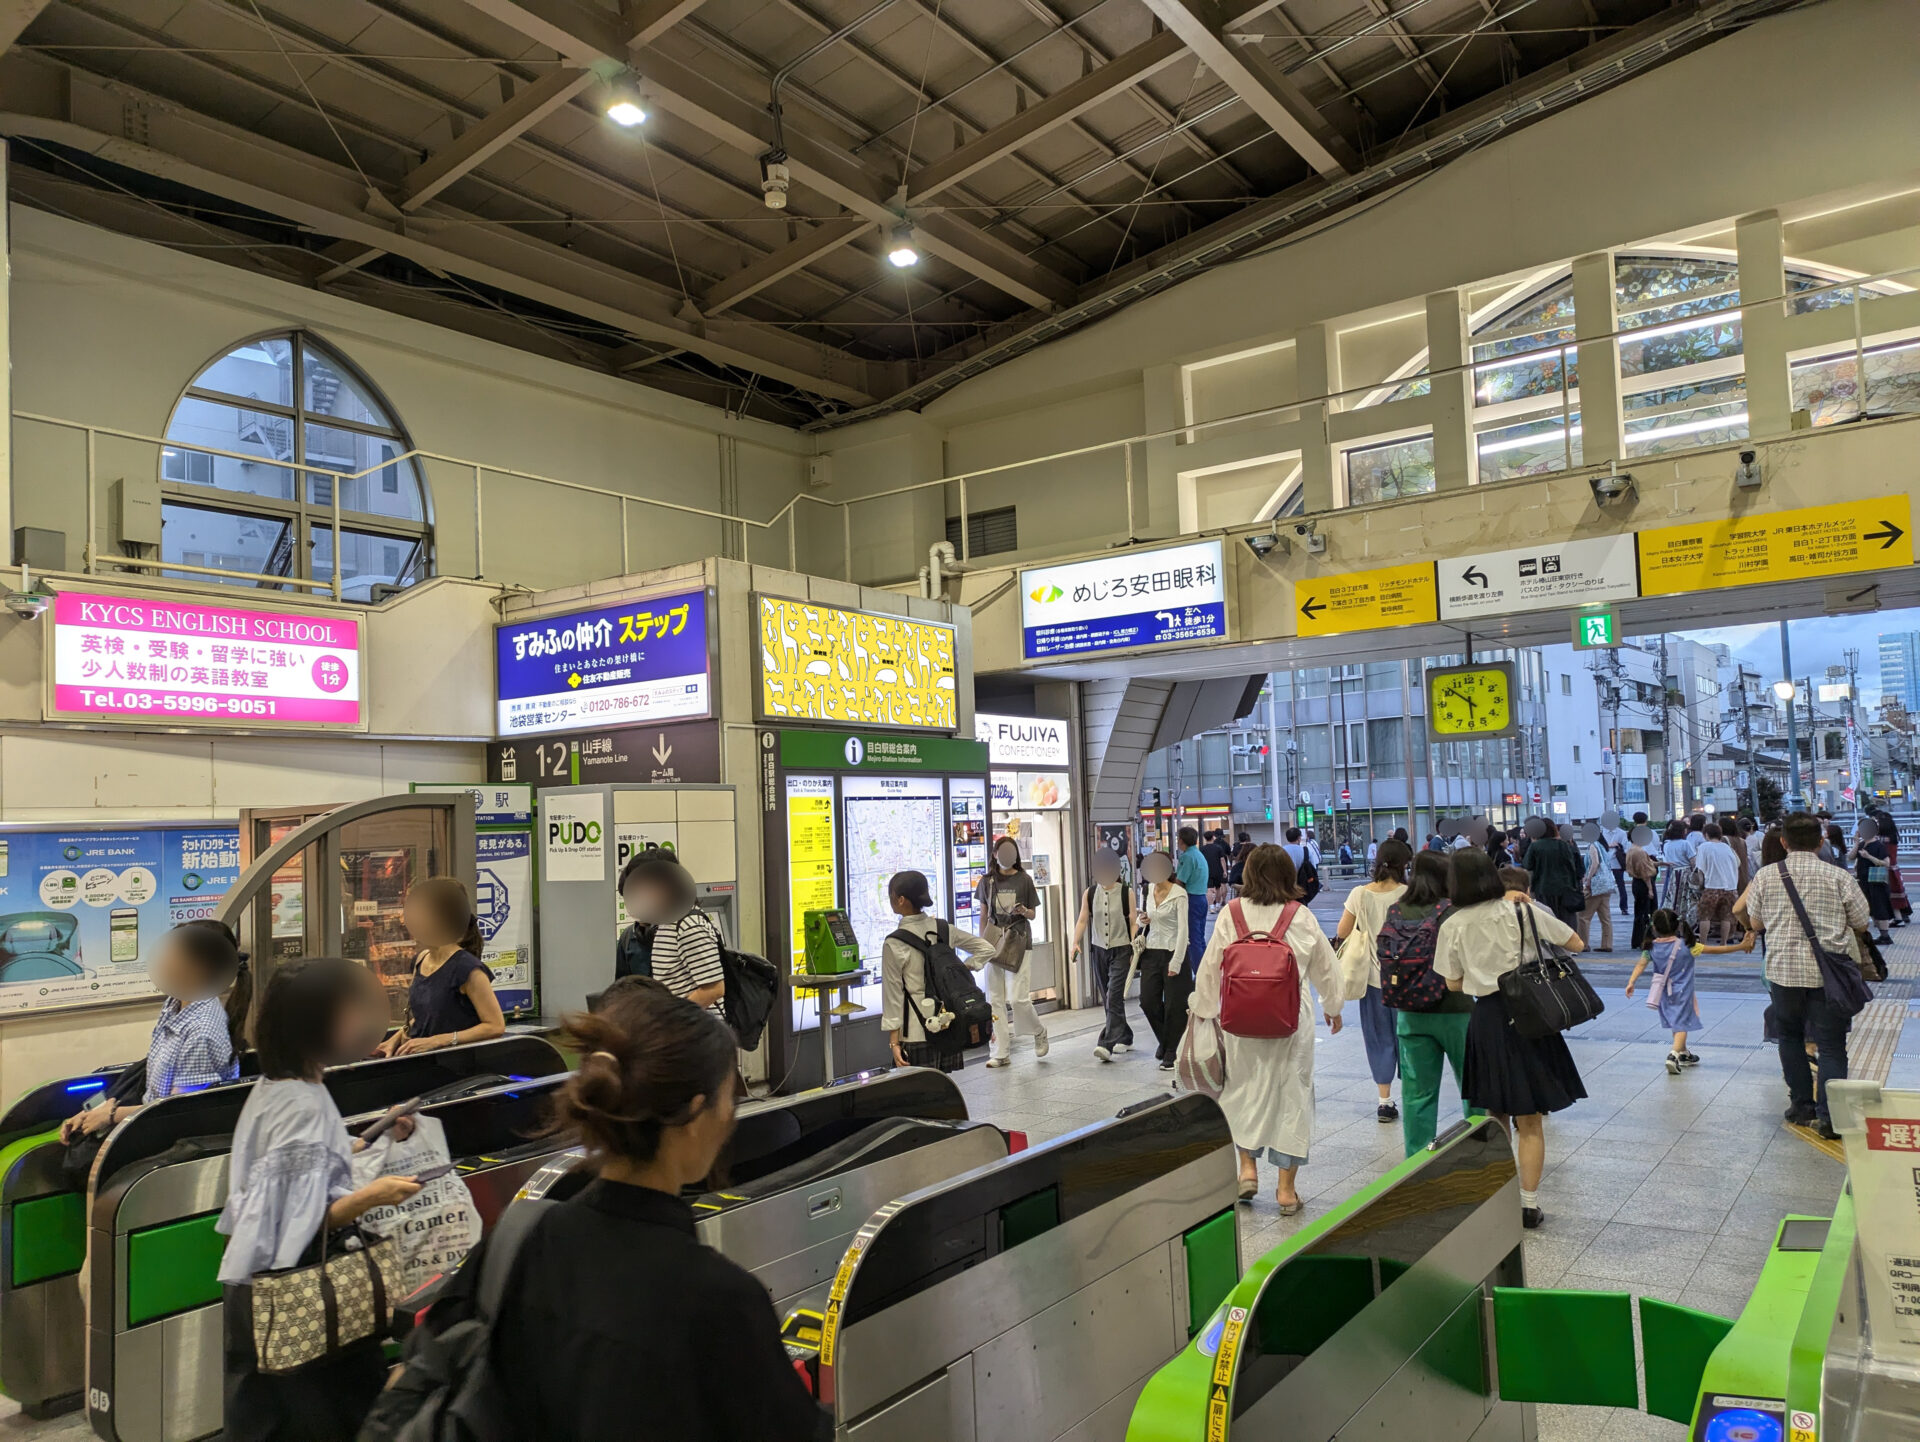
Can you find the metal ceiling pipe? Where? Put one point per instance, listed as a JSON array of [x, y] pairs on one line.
[[825, 42]]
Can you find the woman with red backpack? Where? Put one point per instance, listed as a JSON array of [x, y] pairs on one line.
[[1265, 948]]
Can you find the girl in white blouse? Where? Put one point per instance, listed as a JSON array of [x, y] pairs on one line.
[[290, 1180], [1164, 987], [903, 974]]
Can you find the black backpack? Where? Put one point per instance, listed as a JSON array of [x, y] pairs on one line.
[[752, 984], [447, 1391], [950, 984]]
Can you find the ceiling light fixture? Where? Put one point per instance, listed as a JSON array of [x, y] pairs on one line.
[[625, 105], [900, 250]]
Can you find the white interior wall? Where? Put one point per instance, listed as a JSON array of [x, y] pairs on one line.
[[108, 330]]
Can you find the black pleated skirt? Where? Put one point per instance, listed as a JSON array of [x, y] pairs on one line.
[[1508, 1074], [925, 1053]]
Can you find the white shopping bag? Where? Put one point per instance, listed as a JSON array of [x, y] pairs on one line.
[[437, 1226]]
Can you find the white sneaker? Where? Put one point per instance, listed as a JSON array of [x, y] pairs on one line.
[[1041, 1046], [1102, 1053], [1120, 1048], [999, 1061]]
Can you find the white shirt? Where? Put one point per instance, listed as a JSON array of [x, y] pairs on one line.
[[903, 974], [1479, 944], [1754, 844], [1167, 922], [1718, 865], [1373, 852], [1695, 840], [1613, 838], [1676, 853]]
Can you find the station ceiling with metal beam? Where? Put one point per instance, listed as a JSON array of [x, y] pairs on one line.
[[1043, 162]]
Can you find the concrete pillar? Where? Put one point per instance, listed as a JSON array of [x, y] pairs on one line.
[[1763, 278], [1602, 431], [1156, 465], [1316, 358], [1453, 452]]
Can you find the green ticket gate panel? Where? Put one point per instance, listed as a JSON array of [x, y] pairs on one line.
[[1373, 1321], [172, 1268], [1571, 1347], [49, 1237], [1678, 1342]]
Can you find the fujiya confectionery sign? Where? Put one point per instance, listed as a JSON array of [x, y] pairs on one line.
[[143, 658]]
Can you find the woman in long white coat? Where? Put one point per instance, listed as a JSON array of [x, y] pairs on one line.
[[1269, 1092]]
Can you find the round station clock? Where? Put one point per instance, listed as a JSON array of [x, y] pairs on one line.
[[1474, 700]]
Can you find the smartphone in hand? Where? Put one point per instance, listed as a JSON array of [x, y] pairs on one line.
[[393, 1114]]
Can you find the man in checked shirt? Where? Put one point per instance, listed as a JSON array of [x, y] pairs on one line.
[[1835, 906], [197, 1039]]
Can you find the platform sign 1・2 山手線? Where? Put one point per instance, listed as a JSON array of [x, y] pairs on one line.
[[1172, 595]]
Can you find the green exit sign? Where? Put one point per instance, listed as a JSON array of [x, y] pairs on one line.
[[1593, 629]]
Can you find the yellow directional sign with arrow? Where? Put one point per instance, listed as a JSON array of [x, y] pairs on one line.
[[1366, 600], [1813, 541]]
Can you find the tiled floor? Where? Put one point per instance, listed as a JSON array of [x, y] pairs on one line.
[[1655, 1184], [1668, 1186]]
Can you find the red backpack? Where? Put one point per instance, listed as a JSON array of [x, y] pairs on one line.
[[1259, 979]]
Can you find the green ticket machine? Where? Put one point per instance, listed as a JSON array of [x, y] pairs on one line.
[[831, 945]]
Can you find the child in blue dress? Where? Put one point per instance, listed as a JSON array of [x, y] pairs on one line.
[[1670, 954]]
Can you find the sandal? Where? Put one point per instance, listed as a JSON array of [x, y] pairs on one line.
[[1248, 1186], [1291, 1209]]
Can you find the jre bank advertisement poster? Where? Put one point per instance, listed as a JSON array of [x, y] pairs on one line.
[[82, 911]]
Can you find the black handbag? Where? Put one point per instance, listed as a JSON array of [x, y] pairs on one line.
[[1547, 993], [1840, 978]]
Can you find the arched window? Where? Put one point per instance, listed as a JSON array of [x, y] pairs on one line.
[[1682, 383], [290, 401]]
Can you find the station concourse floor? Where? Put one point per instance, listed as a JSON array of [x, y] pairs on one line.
[[1656, 1184]]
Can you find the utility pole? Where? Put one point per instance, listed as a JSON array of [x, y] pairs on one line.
[[1856, 746], [1346, 756], [1752, 796], [1666, 743], [1794, 802], [1273, 753]]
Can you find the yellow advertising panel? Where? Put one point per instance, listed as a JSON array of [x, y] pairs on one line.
[[1783, 546], [1366, 600], [853, 668]]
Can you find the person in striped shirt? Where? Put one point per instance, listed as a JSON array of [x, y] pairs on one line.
[[681, 942]]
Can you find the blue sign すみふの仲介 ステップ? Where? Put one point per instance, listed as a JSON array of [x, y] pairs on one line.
[[82, 910], [632, 662], [1175, 594]]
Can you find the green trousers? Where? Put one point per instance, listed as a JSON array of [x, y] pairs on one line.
[[1429, 1041]]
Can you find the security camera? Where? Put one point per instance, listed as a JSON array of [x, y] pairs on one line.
[[28, 604], [1746, 475], [1314, 543], [1264, 543], [1614, 486]]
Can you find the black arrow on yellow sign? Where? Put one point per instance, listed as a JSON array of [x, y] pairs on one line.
[[1886, 537], [1312, 607]]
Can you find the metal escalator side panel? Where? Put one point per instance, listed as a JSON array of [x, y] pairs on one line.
[[794, 1239], [558, 1178]]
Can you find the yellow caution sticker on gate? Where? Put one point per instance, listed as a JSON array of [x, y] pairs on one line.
[[1803, 1428], [1222, 1387], [842, 1279]]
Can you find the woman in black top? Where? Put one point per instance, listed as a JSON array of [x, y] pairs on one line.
[[450, 999], [618, 1325]]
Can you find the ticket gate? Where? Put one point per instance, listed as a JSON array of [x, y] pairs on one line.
[[803, 1172], [1032, 1298], [154, 1333], [1374, 1321], [42, 1237]]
